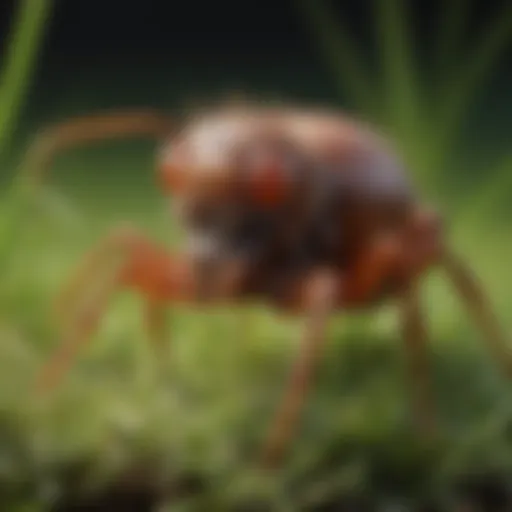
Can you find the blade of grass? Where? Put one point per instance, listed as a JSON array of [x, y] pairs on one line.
[[341, 53], [25, 41], [495, 192], [464, 83], [400, 82], [23, 46], [406, 116]]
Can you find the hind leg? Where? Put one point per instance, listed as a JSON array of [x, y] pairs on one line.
[[427, 249], [318, 301], [479, 308], [123, 259], [415, 338], [432, 250]]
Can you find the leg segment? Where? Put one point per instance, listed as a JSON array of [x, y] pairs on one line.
[[124, 259], [318, 297], [366, 280], [76, 335], [415, 338], [479, 307], [101, 256], [319, 301], [403, 257], [86, 130]]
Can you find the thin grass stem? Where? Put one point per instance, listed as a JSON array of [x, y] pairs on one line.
[[399, 75], [20, 63], [341, 53], [465, 82], [494, 193]]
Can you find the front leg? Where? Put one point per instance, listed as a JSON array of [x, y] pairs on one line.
[[415, 339], [319, 297]]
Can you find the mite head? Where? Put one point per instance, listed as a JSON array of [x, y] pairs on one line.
[[220, 185]]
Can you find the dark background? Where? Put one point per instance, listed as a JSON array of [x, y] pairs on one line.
[[120, 48], [224, 28]]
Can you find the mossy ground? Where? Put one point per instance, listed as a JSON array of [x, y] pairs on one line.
[[197, 413]]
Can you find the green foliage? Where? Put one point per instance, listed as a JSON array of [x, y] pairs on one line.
[[15, 79], [19, 64]]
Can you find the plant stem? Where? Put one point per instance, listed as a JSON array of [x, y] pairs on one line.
[[341, 53], [22, 50]]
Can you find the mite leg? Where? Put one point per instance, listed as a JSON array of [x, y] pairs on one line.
[[479, 308], [85, 130], [423, 244], [331, 291], [125, 259], [415, 338], [395, 256], [76, 334], [365, 280], [96, 261], [319, 301]]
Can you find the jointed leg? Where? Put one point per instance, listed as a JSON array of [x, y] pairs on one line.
[[108, 252], [415, 338], [319, 301], [479, 307], [366, 279], [124, 259], [80, 131], [322, 296], [76, 334], [388, 255]]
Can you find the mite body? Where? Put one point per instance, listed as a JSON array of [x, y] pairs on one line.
[[283, 189], [305, 209]]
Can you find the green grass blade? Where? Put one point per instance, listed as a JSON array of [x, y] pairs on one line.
[[20, 60], [406, 116], [465, 83], [494, 193], [23, 47], [341, 53], [400, 82]]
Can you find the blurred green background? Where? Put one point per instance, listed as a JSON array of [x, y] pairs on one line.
[[436, 76]]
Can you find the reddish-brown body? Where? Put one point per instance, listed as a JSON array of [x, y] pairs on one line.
[[343, 230], [343, 185]]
